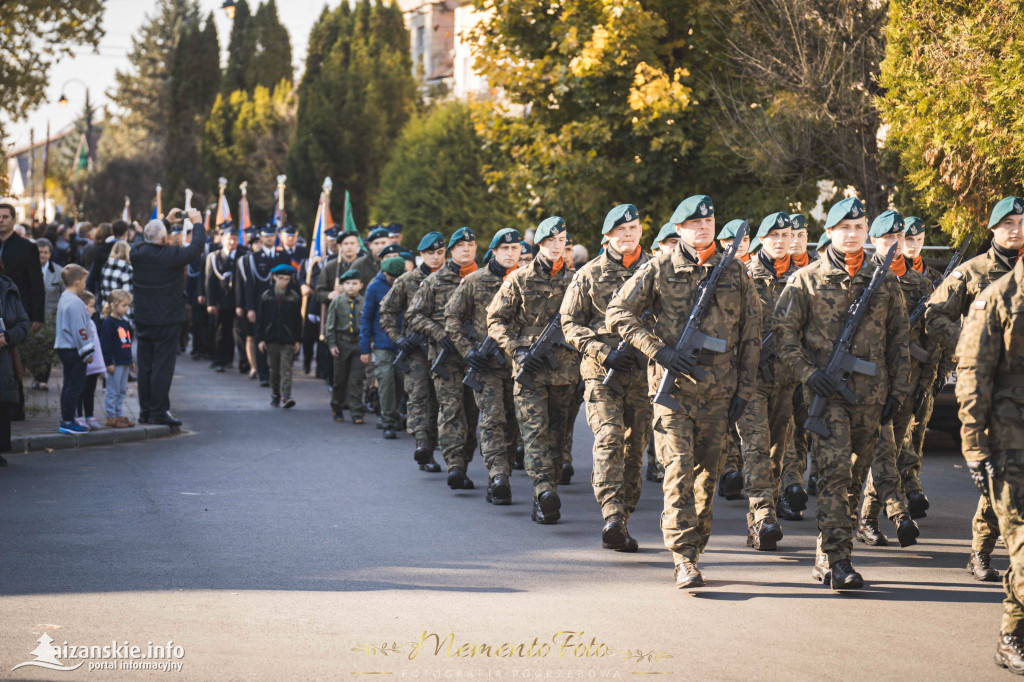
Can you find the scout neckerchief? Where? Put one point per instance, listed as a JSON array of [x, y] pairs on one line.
[[801, 260], [700, 257], [627, 261], [465, 269], [899, 266], [850, 262], [917, 264], [778, 267], [745, 257]]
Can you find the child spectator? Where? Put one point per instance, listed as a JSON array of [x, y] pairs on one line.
[[342, 333], [116, 344], [93, 370], [278, 332], [73, 344]]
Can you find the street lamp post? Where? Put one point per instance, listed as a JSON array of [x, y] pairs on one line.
[[229, 8], [88, 135]]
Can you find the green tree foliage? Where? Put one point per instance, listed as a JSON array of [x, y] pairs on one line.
[[434, 179], [952, 73], [354, 98], [238, 74], [272, 50]]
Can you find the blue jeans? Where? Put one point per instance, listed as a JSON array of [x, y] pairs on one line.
[[117, 388], [74, 382]]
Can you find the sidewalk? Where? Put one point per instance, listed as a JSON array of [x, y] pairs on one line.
[[38, 433]]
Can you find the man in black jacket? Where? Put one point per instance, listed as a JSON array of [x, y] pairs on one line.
[[21, 263], [278, 325], [102, 253], [158, 284]]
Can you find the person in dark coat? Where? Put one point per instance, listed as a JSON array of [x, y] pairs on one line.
[[158, 284], [101, 254], [15, 328], [20, 259]]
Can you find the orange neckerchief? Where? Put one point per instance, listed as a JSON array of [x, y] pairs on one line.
[[854, 261], [802, 260], [629, 260], [745, 257], [465, 270], [704, 255], [508, 271], [557, 266], [917, 264], [899, 266], [782, 265]]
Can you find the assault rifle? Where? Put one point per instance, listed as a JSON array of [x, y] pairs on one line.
[[489, 349], [691, 339], [611, 377], [918, 353], [438, 367], [401, 360], [767, 355], [543, 349], [842, 364]]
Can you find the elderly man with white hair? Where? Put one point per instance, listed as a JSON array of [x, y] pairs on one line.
[[158, 281]]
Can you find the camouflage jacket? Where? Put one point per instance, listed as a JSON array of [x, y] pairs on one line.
[[769, 287], [990, 373], [811, 313], [426, 312], [583, 311], [526, 302], [667, 286], [954, 295], [916, 286], [469, 302], [398, 299]]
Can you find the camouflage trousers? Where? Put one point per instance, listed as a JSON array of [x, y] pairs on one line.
[[690, 446], [574, 411], [764, 429], [620, 425], [794, 459], [843, 461], [883, 483], [498, 428], [421, 421], [457, 418], [912, 448], [543, 419], [984, 527], [1007, 492], [733, 453]]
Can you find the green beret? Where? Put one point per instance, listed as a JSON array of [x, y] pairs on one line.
[[431, 242], [776, 221], [487, 256], [408, 255], [507, 235], [667, 231], [282, 269], [913, 226], [463, 234], [393, 266], [620, 215], [528, 249], [798, 220], [346, 234], [889, 222], [379, 233], [348, 274], [697, 206], [568, 239], [846, 209], [824, 241], [754, 245], [730, 229], [549, 227], [1007, 207], [390, 249]]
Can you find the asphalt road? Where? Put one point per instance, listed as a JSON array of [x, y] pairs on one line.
[[273, 544]]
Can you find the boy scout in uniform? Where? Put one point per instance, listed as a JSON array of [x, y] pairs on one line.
[[764, 427], [499, 431], [421, 420], [947, 306], [457, 414], [810, 317], [620, 421], [990, 388], [883, 482], [527, 302], [691, 442], [342, 332]]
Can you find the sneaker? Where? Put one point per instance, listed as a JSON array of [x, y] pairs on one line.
[[113, 422], [81, 422], [72, 428], [93, 424], [288, 402]]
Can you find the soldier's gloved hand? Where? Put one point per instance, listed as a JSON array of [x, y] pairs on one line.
[[619, 360], [528, 362], [981, 472], [736, 408], [400, 343], [892, 406], [476, 360], [940, 383], [407, 344], [449, 345], [822, 384], [669, 358], [920, 396]]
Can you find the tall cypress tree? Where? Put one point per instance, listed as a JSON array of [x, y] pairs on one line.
[[240, 50], [272, 50]]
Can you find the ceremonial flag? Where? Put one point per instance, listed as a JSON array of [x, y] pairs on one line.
[[158, 212], [186, 237], [244, 222], [126, 214], [322, 222], [279, 216], [223, 210], [350, 222]]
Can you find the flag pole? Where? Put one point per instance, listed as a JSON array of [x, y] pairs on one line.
[[186, 237], [159, 207]]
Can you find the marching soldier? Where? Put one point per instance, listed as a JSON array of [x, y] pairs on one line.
[[220, 295], [810, 316], [620, 420], [883, 482], [457, 413], [798, 248], [422, 417], [949, 303], [254, 280], [990, 388], [498, 428], [691, 442], [369, 265], [526, 304], [913, 232], [663, 243], [730, 483]]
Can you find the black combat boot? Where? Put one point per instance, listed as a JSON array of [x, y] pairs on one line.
[[917, 505], [520, 455], [457, 479], [567, 473], [275, 400], [499, 491], [422, 453], [1010, 653], [844, 577], [730, 485], [783, 511], [869, 533], [546, 508], [796, 497], [615, 536], [764, 535], [812, 484], [430, 466], [655, 472], [688, 575], [906, 530], [980, 566]]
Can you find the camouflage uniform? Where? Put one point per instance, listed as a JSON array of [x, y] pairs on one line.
[[498, 427], [421, 420], [990, 388], [946, 308], [528, 299], [810, 317], [457, 414], [690, 443], [620, 423], [884, 482]]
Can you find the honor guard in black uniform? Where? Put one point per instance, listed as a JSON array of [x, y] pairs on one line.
[[254, 279], [220, 296]]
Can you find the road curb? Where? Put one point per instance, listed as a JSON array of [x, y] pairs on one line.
[[48, 442]]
